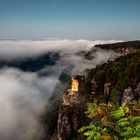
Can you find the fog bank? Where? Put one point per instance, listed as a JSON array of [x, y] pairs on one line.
[[13, 49], [24, 94]]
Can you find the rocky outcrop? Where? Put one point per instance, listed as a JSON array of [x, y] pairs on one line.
[[107, 88], [128, 95], [70, 111], [69, 115], [71, 98], [125, 51], [94, 86], [69, 121]]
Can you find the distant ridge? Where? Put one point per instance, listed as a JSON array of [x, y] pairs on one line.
[[114, 46]]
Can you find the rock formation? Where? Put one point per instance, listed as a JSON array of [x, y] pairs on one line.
[[125, 51], [69, 120], [107, 88], [93, 86], [70, 111], [71, 96], [128, 95]]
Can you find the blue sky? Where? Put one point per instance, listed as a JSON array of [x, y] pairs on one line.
[[72, 19]]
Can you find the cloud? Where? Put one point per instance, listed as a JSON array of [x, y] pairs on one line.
[[22, 96], [14, 49], [79, 63]]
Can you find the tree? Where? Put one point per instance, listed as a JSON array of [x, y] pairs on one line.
[[109, 122]]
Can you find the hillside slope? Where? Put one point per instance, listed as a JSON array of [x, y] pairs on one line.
[[119, 74]]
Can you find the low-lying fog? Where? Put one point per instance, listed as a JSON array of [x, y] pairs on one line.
[[24, 94]]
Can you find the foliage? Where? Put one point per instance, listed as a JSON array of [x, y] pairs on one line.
[[110, 122], [121, 73]]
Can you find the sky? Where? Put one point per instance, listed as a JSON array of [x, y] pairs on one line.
[[71, 19]]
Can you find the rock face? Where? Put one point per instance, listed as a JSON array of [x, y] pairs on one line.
[[94, 86], [71, 98], [125, 51], [107, 88], [69, 114], [70, 111], [63, 126], [128, 95], [69, 120]]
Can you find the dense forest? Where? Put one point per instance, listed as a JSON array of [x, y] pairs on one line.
[[109, 119], [121, 73]]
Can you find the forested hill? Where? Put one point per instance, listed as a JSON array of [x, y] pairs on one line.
[[115, 84], [121, 73], [100, 86], [116, 46]]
